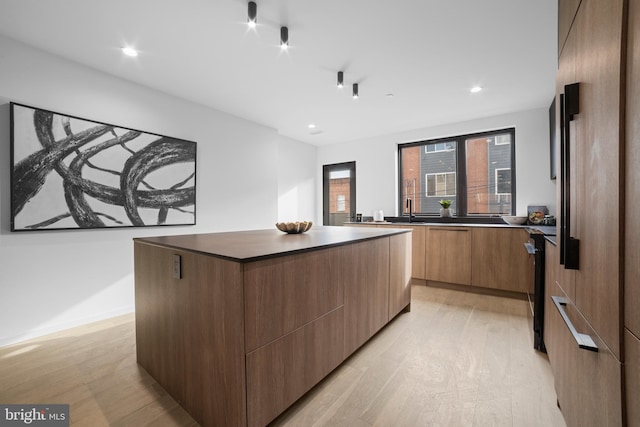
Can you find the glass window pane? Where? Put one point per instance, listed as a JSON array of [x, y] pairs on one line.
[[489, 175], [438, 174]]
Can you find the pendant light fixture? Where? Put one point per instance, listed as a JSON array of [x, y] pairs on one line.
[[340, 79], [284, 38], [252, 16], [355, 91]]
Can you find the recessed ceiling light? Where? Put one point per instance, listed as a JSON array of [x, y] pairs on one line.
[[129, 51], [476, 89], [311, 126], [389, 95]]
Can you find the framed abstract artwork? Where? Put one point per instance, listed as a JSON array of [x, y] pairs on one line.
[[73, 173]]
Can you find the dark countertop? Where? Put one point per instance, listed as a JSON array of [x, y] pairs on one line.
[[253, 245], [542, 229]]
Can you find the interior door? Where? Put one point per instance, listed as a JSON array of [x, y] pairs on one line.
[[339, 193]]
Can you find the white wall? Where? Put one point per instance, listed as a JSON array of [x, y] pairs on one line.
[[248, 176], [377, 164]]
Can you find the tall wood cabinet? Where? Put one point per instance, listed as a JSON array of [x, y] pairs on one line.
[[592, 52], [632, 219]]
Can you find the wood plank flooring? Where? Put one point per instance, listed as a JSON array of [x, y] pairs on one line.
[[457, 359]]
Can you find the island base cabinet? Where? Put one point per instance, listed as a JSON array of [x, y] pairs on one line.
[[238, 341], [196, 354], [400, 273], [282, 371], [366, 298]]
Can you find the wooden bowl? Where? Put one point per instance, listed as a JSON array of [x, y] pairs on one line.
[[294, 227]]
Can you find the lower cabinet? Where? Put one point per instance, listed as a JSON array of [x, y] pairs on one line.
[[448, 255], [588, 383], [499, 259], [283, 370], [632, 377], [399, 273], [367, 294]]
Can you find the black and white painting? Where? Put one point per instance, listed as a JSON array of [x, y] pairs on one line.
[[70, 173]]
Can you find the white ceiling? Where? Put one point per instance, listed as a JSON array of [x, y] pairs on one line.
[[427, 53]]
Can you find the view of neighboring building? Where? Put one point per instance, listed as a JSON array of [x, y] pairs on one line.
[[430, 173]]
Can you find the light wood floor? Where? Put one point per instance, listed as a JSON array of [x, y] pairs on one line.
[[457, 359]]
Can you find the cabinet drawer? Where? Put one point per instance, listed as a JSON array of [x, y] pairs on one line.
[[279, 373], [282, 294], [588, 384]]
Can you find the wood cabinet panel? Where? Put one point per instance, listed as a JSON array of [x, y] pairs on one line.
[[598, 142], [417, 250], [399, 273], [282, 371], [417, 247], [282, 294], [632, 160], [499, 259], [588, 384], [158, 322], [448, 255], [366, 299], [566, 12], [204, 368], [632, 377]]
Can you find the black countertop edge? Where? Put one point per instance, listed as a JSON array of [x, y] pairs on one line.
[[547, 230], [271, 254]]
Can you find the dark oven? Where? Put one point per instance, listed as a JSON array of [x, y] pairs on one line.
[[535, 248]]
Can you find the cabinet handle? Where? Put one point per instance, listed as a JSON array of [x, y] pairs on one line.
[[569, 246], [531, 250], [584, 341]]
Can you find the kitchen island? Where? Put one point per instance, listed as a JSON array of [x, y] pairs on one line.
[[237, 326]]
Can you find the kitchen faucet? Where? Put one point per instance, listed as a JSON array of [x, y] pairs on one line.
[[410, 205]]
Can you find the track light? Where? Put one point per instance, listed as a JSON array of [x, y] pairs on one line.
[[252, 18], [340, 79], [355, 91], [284, 38]]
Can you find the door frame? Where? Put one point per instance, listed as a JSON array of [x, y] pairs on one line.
[[326, 172]]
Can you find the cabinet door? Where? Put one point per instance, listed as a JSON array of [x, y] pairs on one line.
[[417, 248], [499, 259], [632, 218], [448, 255], [596, 141], [366, 292], [171, 315], [632, 377], [399, 273]]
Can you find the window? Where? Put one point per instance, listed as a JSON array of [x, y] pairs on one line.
[[440, 146], [341, 202], [441, 184], [503, 181], [476, 172]]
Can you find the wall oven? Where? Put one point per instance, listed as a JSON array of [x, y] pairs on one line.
[[535, 248]]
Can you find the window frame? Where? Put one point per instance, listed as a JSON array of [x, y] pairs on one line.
[[461, 168]]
